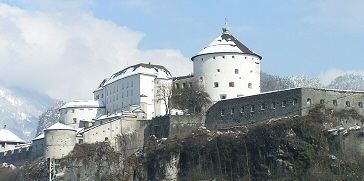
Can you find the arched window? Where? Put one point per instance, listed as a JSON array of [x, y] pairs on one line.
[[308, 101], [262, 107], [273, 106], [284, 103], [360, 104], [252, 109], [334, 102], [250, 85], [322, 101], [347, 103], [295, 101]]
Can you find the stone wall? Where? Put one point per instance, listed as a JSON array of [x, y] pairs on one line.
[[245, 110], [278, 104], [17, 156], [174, 126]]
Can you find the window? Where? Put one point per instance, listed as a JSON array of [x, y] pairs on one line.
[[236, 71], [80, 141], [201, 78], [231, 84], [97, 97], [284, 103], [295, 101], [232, 111], [216, 84], [242, 110], [73, 111], [250, 85], [74, 120], [184, 85], [360, 104], [322, 101], [222, 112], [102, 95], [347, 103], [217, 70], [273, 106], [252, 109], [308, 101], [233, 56], [202, 59], [262, 107], [213, 57], [223, 56], [245, 57], [177, 85], [334, 102], [222, 96], [190, 84]]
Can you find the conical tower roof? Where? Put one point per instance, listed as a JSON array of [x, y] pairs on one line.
[[226, 43]]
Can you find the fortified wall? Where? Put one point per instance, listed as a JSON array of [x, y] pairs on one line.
[[174, 126], [284, 103]]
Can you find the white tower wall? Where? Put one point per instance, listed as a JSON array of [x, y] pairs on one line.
[[58, 143], [236, 74]]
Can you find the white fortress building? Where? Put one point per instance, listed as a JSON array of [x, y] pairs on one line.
[[125, 102], [226, 69], [135, 85]]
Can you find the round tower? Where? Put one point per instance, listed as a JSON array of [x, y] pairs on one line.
[[59, 140], [227, 68]]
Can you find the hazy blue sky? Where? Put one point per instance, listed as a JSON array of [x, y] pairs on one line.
[[318, 38]]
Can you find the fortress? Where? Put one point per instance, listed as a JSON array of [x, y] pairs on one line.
[[131, 104]]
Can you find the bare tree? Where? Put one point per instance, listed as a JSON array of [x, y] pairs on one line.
[[164, 94]]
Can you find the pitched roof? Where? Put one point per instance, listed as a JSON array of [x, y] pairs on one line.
[[226, 43], [9, 137], [59, 126], [83, 104], [142, 68]]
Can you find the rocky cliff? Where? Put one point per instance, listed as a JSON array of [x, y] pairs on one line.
[[325, 145]]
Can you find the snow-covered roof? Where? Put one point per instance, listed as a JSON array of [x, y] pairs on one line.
[[41, 136], [9, 137], [59, 126], [83, 104], [149, 69], [226, 43]]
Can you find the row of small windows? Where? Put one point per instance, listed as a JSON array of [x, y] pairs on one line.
[[227, 56], [184, 85], [232, 84], [115, 89], [81, 109], [334, 102], [236, 71], [263, 107]]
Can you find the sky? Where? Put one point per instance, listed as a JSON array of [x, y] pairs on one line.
[[65, 48]]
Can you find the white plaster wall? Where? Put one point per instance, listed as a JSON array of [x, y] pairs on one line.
[[249, 72], [147, 88], [79, 113], [122, 93], [58, 143]]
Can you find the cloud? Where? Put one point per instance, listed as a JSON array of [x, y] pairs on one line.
[[343, 15], [327, 77], [66, 55]]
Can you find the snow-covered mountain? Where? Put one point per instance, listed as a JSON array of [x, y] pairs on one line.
[[273, 82], [49, 117], [348, 82], [20, 110]]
